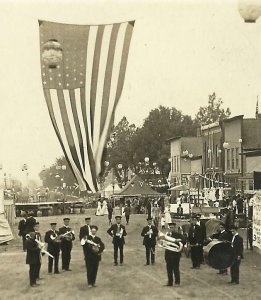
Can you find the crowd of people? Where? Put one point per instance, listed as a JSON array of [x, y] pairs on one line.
[[61, 240]]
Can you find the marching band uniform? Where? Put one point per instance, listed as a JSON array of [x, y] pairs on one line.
[[195, 240], [237, 245], [33, 258], [29, 224], [203, 236], [39, 238], [172, 259], [22, 231], [117, 232], [92, 255], [86, 229], [66, 244], [150, 233], [51, 238]]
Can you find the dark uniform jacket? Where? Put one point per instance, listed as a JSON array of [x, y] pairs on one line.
[[29, 224], [195, 235], [172, 254], [22, 227], [237, 245], [115, 233], [52, 244], [203, 232], [89, 253], [33, 255], [149, 240], [84, 231]]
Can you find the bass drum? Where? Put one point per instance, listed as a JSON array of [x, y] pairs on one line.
[[219, 255]]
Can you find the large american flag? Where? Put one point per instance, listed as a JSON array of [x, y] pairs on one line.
[[83, 88]]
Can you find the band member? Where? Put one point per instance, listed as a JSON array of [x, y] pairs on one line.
[[203, 236], [67, 237], [53, 241], [110, 211], [22, 231], [126, 211], [172, 258], [92, 249], [250, 235], [195, 240], [150, 233], [237, 245], [86, 229], [117, 232], [30, 222], [33, 257], [38, 237]]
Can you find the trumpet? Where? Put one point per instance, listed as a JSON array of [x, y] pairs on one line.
[[169, 243], [68, 235], [41, 245]]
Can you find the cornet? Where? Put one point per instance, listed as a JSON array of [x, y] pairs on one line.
[[169, 243], [55, 237], [41, 246]]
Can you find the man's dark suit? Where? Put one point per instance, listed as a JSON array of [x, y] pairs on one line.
[[92, 258], [203, 238], [237, 245], [172, 260], [33, 259], [149, 241], [195, 240], [54, 249], [22, 232], [66, 247], [118, 232], [84, 231]]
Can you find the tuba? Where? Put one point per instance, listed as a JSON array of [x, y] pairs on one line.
[[169, 243]]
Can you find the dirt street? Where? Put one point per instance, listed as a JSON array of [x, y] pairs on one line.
[[131, 281]]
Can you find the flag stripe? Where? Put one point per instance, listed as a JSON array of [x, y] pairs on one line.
[[100, 84], [55, 126], [108, 75], [73, 101], [113, 91], [58, 114], [88, 162], [95, 70], [67, 128], [71, 128], [88, 78]]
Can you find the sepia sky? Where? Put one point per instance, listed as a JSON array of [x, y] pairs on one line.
[[181, 51]]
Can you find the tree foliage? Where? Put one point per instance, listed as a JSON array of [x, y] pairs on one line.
[[161, 124], [213, 112]]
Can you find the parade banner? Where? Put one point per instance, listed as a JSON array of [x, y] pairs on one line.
[[257, 220], [83, 70]]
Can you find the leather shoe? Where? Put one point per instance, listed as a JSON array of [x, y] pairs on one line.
[[68, 270]]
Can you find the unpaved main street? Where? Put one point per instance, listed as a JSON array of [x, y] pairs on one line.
[[131, 281]]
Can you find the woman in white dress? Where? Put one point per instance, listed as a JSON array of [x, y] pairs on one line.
[[98, 211], [167, 215], [104, 209]]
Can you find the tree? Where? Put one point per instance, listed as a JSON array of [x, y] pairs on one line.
[[49, 175], [213, 112], [161, 124], [120, 146]]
